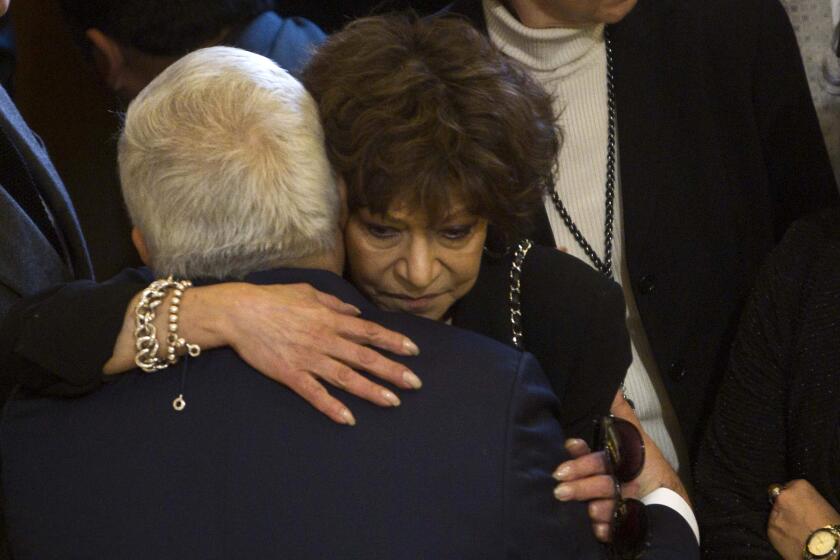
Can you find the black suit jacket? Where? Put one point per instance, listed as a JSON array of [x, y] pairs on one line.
[[461, 470], [719, 151]]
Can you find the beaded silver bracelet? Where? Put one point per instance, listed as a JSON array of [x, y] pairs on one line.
[[145, 332]]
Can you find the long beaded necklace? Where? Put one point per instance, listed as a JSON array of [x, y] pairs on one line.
[[603, 266]]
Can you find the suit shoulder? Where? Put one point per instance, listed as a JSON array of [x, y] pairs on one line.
[[453, 342]]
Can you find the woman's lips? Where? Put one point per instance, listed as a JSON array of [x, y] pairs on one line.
[[415, 304]]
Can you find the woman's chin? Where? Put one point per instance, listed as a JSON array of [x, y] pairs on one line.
[[430, 310]]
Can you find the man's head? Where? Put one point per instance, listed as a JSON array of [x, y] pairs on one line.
[[134, 40], [224, 171]]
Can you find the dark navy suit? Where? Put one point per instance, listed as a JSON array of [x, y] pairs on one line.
[[249, 470]]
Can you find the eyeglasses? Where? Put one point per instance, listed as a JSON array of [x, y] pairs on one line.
[[624, 449]]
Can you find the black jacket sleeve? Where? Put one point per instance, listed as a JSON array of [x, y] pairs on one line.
[[744, 449], [56, 343]]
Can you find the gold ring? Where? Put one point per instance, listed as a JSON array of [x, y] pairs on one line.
[[773, 492]]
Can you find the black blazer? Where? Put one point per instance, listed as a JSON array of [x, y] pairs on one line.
[[777, 417], [461, 470], [719, 150], [572, 321]]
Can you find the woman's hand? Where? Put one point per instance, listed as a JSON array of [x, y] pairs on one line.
[[797, 512], [657, 471], [585, 479], [291, 333]]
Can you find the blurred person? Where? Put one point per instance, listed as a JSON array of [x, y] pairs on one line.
[[678, 173], [131, 41], [775, 425], [474, 452]]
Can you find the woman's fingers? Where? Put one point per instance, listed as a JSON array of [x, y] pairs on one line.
[[582, 467], [361, 331], [595, 487], [332, 302], [363, 358], [313, 392], [298, 336], [343, 377]]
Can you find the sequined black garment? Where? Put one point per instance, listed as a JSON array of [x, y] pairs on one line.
[[776, 417]]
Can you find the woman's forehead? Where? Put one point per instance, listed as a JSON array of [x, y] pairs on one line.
[[405, 212]]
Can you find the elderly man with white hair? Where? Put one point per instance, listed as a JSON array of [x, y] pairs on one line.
[[225, 176]]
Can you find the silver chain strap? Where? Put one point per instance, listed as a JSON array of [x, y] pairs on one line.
[[515, 295]]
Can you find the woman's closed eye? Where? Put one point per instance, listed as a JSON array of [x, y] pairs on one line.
[[457, 233], [380, 231]]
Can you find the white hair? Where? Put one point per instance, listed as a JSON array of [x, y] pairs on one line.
[[223, 167]]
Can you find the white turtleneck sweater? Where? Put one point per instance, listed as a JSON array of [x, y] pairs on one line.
[[571, 64]]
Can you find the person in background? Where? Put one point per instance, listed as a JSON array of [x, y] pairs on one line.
[[817, 27], [7, 52], [132, 41], [218, 137], [678, 171], [776, 424]]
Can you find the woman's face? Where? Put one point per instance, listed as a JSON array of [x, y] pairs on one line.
[[403, 263]]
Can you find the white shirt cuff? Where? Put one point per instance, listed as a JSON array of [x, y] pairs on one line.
[[668, 498]]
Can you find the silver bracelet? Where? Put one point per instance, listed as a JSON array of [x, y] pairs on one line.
[[145, 332]]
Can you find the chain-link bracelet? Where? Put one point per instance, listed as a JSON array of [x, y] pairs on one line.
[[145, 332]]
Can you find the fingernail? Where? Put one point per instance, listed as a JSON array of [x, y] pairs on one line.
[[412, 380], [602, 533], [573, 442], [562, 472], [354, 310], [348, 418], [391, 398], [410, 347], [563, 492]]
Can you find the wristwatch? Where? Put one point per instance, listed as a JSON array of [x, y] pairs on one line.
[[823, 544]]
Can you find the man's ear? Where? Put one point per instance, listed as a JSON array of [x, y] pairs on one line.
[[109, 57], [344, 213], [140, 245]]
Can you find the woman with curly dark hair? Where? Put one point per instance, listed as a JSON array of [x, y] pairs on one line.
[[446, 147]]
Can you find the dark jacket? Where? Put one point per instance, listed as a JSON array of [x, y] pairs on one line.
[[719, 151], [572, 321], [777, 417], [29, 263], [461, 470]]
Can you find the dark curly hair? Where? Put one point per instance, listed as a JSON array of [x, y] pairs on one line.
[[429, 112]]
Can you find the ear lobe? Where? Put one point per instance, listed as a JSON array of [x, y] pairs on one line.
[[140, 245], [109, 57], [344, 212]]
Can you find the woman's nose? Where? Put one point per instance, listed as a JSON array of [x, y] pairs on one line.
[[419, 267]]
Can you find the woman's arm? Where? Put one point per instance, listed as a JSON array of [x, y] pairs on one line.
[[744, 449], [63, 341]]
